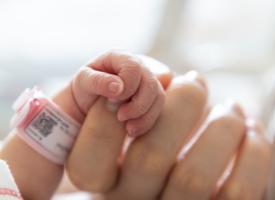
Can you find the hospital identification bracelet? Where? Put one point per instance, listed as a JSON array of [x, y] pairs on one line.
[[44, 126]]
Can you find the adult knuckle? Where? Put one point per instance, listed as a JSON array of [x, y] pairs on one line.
[[231, 124], [235, 191], [262, 148], [188, 86], [76, 176], [191, 94], [190, 181], [153, 164], [86, 183], [266, 150]]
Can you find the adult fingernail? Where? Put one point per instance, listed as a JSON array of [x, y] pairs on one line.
[[223, 109], [201, 80], [115, 87], [217, 111], [235, 107], [194, 75]]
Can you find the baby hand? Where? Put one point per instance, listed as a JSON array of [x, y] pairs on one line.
[[126, 80]]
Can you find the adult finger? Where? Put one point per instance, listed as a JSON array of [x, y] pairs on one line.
[[248, 179], [151, 156], [195, 176], [93, 163]]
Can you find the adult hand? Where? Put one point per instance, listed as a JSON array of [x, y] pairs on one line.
[[151, 168]]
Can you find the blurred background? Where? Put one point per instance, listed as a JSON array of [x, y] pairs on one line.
[[230, 41]]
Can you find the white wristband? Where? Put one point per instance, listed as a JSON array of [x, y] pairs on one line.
[[44, 126]]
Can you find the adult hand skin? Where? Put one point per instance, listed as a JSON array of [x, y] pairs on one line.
[[154, 166]]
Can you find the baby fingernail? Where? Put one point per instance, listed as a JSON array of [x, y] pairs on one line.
[[115, 87]]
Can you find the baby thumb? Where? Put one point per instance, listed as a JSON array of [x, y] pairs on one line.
[[93, 82]]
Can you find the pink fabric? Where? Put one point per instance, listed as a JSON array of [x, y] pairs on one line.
[[10, 192], [8, 187]]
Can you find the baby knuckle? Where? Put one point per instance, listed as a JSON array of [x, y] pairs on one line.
[[132, 64], [87, 79], [152, 85], [132, 69], [149, 120], [127, 59], [133, 60], [80, 77], [96, 81], [112, 54], [141, 109]]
